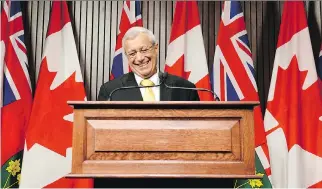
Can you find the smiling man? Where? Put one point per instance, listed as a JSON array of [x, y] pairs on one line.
[[141, 50]]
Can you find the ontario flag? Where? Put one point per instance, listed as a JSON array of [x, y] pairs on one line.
[[48, 152], [130, 17], [293, 118], [234, 80], [186, 56], [16, 93]]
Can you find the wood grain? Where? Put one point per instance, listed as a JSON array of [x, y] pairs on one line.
[[162, 135], [252, 176], [79, 141], [159, 167], [154, 139], [211, 156]]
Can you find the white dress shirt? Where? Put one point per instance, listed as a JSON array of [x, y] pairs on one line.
[[156, 90]]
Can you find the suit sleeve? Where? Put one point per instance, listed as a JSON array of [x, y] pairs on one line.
[[194, 96], [191, 95], [103, 94]]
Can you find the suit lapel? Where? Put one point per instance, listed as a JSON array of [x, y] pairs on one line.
[[135, 94]]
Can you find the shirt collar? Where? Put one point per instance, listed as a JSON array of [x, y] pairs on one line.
[[154, 78]]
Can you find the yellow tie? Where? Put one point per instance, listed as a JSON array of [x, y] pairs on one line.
[[148, 94]]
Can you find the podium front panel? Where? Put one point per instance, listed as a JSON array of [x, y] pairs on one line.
[[156, 140]]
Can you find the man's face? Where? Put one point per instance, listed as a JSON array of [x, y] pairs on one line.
[[142, 55]]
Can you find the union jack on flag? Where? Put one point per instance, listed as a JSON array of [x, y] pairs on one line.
[[130, 17], [12, 49], [16, 95], [233, 58], [233, 76]]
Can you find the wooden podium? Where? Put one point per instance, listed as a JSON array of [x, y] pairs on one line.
[[163, 139]]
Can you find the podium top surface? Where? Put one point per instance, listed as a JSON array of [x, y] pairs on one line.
[[163, 104]]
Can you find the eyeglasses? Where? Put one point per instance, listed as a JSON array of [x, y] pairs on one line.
[[143, 51]]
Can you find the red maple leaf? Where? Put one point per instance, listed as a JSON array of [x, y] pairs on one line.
[[47, 126], [178, 68], [296, 110]]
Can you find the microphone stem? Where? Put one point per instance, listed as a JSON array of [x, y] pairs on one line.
[[196, 89]]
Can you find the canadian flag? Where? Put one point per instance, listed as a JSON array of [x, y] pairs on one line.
[[47, 154], [293, 118], [186, 55]]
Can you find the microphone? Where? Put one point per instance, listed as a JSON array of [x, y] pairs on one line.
[[163, 77], [133, 87]]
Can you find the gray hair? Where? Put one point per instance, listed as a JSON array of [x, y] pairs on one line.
[[135, 31]]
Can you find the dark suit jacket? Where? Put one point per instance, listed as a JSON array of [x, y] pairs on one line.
[[166, 94]]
